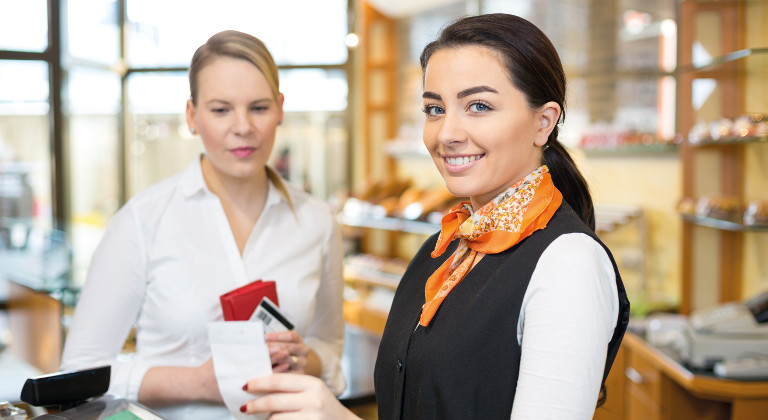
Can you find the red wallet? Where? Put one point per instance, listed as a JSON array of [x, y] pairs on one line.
[[239, 304]]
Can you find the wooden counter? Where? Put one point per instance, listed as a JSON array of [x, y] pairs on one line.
[[647, 384], [35, 323]]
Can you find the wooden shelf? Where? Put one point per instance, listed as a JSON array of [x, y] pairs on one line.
[[608, 218], [726, 58], [389, 223], [371, 277], [734, 72], [721, 224], [632, 150], [729, 141], [372, 320]]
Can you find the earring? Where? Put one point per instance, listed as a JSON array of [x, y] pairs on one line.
[[279, 123], [192, 130]]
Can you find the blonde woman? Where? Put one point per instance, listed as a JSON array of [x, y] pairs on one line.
[[227, 220]]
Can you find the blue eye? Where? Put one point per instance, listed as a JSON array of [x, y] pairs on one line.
[[433, 110], [479, 107]]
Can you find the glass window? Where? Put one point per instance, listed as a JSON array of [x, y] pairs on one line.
[[159, 142], [92, 30], [420, 30], [93, 92], [314, 90], [643, 35], [618, 57], [570, 36], [25, 152], [314, 131], [312, 134], [93, 116], [24, 25], [647, 35], [23, 87], [637, 104], [166, 34]]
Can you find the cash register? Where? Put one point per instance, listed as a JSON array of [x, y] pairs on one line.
[[80, 395]]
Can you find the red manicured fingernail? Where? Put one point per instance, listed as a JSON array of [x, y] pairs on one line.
[[245, 387], [242, 409]]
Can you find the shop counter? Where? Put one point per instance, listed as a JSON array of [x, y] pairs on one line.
[[35, 272], [106, 407], [649, 383]]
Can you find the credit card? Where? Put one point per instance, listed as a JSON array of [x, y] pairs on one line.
[[270, 315]]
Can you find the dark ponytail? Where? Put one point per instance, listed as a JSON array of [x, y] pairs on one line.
[[535, 69], [568, 179]]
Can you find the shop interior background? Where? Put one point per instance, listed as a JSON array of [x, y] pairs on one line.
[[92, 96]]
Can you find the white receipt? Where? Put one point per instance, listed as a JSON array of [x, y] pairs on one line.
[[239, 353]]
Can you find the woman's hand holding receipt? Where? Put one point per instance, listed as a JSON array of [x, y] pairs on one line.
[[294, 397]]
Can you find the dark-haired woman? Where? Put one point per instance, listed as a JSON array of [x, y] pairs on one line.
[[516, 309]]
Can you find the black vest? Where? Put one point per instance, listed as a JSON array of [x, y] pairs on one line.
[[465, 363]]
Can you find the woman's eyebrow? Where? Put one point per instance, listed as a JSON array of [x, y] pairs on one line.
[[476, 89], [464, 93], [225, 102]]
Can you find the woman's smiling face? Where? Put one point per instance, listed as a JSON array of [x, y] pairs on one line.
[[479, 128]]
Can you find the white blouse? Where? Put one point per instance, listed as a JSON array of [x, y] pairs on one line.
[[168, 255], [564, 346]]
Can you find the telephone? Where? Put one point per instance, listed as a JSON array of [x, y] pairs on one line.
[[727, 333]]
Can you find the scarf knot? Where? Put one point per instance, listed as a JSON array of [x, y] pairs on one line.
[[510, 217]]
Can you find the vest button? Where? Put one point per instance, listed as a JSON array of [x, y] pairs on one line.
[[399, 365]]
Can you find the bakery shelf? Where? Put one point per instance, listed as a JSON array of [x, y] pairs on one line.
[[723, 224], [359, 314], [371, 276], [610, 217], [717, 61], [632, 150], [607, 217], [389, 223], [729, 141]]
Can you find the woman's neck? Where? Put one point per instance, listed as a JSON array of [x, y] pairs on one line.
[[243, 199], [244, 193]]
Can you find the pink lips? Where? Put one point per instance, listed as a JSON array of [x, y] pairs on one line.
[[243, 152]]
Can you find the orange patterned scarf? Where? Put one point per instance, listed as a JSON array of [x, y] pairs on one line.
[[506, 220]]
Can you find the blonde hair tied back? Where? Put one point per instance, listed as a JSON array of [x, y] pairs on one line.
[[234, 44]]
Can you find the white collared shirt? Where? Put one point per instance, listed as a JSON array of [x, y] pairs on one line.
[[168, 255]]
